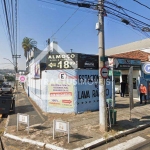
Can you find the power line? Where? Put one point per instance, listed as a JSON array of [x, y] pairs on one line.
[[120, 7], [8, 27], [70, 7], [73, 29], [131, 20], [16, 25], [65, 22], [141, 4]]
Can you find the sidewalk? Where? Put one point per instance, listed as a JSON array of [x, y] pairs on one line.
[[84, 128]]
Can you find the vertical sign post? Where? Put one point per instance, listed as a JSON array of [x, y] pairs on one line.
[[130, 85]]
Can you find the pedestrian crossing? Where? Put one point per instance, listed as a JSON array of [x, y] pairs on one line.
[[128, 144]]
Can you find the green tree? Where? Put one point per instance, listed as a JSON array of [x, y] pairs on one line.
[[28, 44]]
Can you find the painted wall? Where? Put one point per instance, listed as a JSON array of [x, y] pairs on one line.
[[67, 91]]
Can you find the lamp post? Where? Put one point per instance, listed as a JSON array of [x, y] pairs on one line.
[[11, 63]]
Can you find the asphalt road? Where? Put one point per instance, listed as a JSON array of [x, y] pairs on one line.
[[137, 141]]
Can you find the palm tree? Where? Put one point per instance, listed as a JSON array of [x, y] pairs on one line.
[[28, 44]]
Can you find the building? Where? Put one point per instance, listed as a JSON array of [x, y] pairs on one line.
[[143, 45]]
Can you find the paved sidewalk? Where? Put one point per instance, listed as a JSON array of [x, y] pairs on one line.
[[84, 128]]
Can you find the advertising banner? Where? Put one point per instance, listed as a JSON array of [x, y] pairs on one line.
[[87, 61], [72, 61], [61, 95], [35, 70], [62, 61]]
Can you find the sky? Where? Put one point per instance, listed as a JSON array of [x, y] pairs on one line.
[[40, 20]]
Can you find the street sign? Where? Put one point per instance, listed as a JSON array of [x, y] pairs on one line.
[[104, 72], [146, 68], [22, 78], [116, 73]]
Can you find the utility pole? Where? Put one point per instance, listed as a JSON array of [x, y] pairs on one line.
[[102, 84], [16, 67]]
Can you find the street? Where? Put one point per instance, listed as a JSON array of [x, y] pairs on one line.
[[136, 141]]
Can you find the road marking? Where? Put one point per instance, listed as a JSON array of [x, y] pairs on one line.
[[128, 144]]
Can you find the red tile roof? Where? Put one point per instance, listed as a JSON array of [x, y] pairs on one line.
[[137, 54]]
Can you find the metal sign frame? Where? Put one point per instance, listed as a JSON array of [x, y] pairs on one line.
[[61, 129], [23, 122]]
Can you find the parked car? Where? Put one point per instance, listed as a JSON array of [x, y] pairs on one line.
[[7, 89]]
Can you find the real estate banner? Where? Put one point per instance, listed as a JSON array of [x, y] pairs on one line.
[[60, 95]]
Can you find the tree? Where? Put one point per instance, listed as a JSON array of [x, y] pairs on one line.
[[28, 44]]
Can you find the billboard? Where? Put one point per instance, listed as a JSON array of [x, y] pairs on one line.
[[87, 61], [62, 61], [72, 61]]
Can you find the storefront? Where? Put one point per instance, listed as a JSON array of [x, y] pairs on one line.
[[122, 65]]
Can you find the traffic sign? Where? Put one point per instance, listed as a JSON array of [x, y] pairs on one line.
[[104, 72], [116, 73], [146, 68], [22, 78]]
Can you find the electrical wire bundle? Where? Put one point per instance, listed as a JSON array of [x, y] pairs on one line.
[[10, 16], [111, 10]]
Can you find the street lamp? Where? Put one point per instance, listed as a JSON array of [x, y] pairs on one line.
[[11, 63]]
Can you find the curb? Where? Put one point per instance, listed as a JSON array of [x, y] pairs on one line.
[[111, 138], [92, 144]]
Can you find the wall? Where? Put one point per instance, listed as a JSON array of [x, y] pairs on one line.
[[37, 91], [67, 91]]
